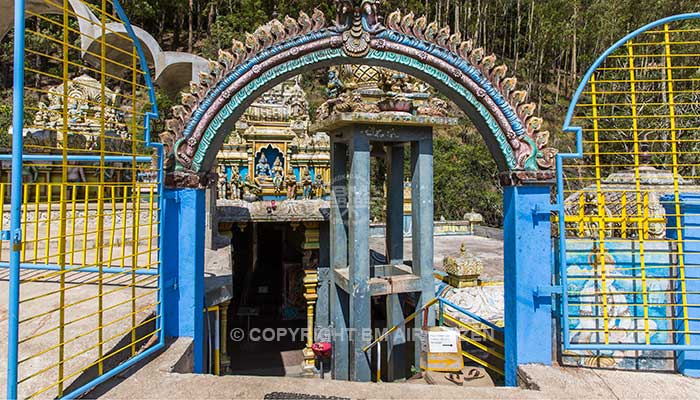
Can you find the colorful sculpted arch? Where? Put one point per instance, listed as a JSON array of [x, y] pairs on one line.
[[281, 49]]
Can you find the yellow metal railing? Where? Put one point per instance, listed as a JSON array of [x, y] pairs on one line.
[[484, 339], [583, 222], [480, 334], [90, 279]]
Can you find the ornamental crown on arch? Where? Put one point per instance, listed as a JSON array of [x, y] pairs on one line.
[[358, 27]]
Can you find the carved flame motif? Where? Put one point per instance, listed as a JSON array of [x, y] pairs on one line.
[[356, 40], [274, 32], [356, 25], [537, 145]]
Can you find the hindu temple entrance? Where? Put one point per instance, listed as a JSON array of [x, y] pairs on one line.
[[277, 172], [268, 306]]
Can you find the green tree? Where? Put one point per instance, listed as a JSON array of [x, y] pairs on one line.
[[466, 179]]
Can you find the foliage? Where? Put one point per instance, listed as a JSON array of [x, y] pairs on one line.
[[465, 178], [165, 104], [5, 117]]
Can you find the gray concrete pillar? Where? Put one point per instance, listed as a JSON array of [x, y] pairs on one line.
[[322, 319], [339, 307], [422, 221], [394, 204], [396, 342], [358, 257]]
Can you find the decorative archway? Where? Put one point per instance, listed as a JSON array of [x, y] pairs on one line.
[[279, 50], [468, 77]]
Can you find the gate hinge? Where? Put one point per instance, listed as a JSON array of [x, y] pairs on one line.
[[4, 235], [544, 210], [15, 239], [548, 291], [171, 283]]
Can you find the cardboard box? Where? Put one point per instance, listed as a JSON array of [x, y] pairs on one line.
[[441, 349]]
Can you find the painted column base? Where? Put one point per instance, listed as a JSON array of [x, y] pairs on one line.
[[308, 366], [311, 247]]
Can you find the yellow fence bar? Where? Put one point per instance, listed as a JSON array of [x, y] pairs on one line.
[[483, 363], [475, 330], [676, 191], [601, 211], [638, 191]]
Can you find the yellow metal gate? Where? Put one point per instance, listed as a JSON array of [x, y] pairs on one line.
[[82, 211], [629, 228]]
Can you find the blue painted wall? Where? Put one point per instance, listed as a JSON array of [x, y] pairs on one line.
[[183, 267]]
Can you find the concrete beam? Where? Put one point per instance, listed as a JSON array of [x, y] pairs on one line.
[[382, 286]]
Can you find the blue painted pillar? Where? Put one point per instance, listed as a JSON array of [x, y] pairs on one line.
[[423, 228], [396, 342], [183, 268], [527, 257], [684, 221], [358, 257]]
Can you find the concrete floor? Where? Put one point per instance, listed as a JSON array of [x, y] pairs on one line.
[[156, 381], [40, 316], [490, 251]]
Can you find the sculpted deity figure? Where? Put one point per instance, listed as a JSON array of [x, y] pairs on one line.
[[335, 86], [74, 114], [262, 169], [370, 12], [235, 184], [301, 139], [318, 186], [278, 176], [42, 116], [278, 167], [30, 173], [290, 181], [222, 186], [237, 139], [75, 172], [250, 189], [307, 183]]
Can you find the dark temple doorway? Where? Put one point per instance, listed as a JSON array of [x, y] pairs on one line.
[[268, 314]]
